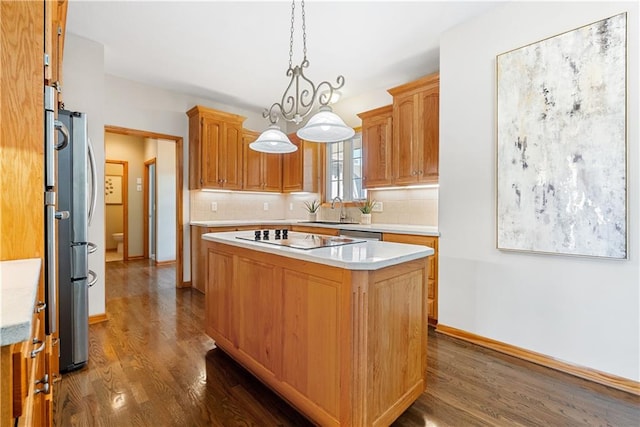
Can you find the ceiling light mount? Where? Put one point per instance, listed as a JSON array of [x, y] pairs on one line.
[[300, 96]]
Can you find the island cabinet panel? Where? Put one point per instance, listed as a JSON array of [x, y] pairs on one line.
[[218, 294], [345, 347], [312, 331], [257, 312], [396, 342]]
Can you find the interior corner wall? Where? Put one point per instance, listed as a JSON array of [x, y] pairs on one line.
[[83, 90], [584, 311]]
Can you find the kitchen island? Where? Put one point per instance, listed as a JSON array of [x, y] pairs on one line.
[[340, 332]]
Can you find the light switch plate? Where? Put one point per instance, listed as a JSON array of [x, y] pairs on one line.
[[377, 207], [139, 187]]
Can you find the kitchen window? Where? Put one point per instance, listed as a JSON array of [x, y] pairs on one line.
[[344, 170]]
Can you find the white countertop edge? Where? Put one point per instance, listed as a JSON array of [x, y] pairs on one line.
[[19, 281], [389, 253], [419, 230]]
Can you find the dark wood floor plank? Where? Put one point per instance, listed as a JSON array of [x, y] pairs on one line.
[[151, 364]]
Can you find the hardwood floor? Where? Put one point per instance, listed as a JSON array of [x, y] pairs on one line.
[[151, 364]]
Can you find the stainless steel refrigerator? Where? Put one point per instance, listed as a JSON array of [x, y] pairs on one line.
[[69, 277]]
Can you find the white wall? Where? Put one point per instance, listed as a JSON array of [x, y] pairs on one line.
[[583, 311], [166, 202], [83, 90]]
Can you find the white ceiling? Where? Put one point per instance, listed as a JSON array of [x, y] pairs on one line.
[[237, 52]]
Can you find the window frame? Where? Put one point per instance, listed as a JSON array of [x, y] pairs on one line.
[[347, 171]]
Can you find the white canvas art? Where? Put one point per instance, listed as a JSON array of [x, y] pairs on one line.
[[561, 141]]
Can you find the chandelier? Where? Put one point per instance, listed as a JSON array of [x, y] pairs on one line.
[[297, 103]]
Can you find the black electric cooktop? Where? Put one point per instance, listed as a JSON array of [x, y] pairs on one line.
[[296, 240]]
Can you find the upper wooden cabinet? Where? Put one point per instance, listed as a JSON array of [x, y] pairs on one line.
[[415, 131], [215, 149], [55, 20], [262, 171], [301, 169], [377, 139]]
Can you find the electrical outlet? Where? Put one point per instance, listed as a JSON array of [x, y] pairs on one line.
[[377, 207], [214, 206], [265, 206]]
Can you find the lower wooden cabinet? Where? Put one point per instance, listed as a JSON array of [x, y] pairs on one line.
[[432, 263]]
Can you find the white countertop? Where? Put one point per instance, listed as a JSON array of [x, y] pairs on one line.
[[368, 255], [18, 285], [422, 230]]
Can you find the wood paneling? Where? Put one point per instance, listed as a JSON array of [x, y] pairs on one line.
[[219, 293], [302, 169]]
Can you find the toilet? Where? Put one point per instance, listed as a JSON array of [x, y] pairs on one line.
[[119, 238]]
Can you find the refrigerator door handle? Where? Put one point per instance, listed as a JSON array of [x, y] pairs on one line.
[[94, 278], [65, 132], [52, 279], [92, 247], [94, 182]]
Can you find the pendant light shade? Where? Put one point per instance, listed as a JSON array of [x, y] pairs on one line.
[[325, 126], [273, 140]]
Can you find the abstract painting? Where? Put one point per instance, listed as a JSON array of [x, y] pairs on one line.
[[113, 189], [561, 143]]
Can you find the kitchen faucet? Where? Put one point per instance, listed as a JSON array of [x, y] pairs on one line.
[[342, 214]]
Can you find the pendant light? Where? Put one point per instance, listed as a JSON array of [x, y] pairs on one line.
[[297, 102], [273, 140]]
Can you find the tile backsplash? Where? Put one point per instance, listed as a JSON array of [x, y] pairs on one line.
[[406, 206]]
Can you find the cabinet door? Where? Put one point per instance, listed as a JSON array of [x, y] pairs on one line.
[[405, 146], [257, 309], [272, 172], [377, 139], [218, 294], [230, 157], [211, 133], [252, 164], [430, 119], [292, 166]]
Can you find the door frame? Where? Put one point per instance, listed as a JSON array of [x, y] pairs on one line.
[[179, 183], [145, 213], [125, 205]]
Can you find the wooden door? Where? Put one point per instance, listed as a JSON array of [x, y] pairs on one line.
[[429, 131], [405, 147], [212, 147], [377, 140]]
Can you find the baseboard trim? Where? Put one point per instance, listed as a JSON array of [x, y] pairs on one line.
[[135, 258], [185, 284], [97, 318], [599, 377], [159, 263]]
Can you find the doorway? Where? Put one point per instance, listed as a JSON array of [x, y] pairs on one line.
[[116, 210], [176, 191]]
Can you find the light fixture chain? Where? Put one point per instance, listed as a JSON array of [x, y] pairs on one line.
[[293, 9], [304, 33]]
